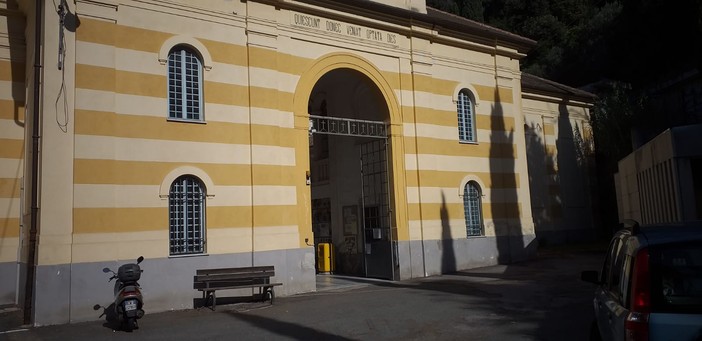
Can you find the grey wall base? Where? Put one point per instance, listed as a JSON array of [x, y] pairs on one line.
[[67, 293], [8, 283], [434, 257]]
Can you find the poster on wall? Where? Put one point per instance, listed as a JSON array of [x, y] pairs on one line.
[[350, 219]]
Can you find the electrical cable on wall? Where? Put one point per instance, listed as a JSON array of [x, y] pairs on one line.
[[61, 10]]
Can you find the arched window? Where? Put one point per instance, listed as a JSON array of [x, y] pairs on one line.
[[472, 206], [184, 85], [466, 117], [186, 206]]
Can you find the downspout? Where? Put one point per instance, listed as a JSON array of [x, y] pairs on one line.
[[248, 80], [32, 247]]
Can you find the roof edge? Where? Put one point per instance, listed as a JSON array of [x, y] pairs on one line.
[[534, 84]]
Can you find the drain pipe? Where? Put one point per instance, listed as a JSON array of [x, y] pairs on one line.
[[251, 166], [31, 259]]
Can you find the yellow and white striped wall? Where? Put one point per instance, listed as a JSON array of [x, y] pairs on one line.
[[13, 127], [110, 153]]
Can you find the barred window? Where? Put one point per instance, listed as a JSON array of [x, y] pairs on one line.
[[184, 85], [187, 216], [472, 207], [466, 117]]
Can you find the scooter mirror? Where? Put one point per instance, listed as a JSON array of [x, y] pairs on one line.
[[97, 307], [106, 270], [140, 259]]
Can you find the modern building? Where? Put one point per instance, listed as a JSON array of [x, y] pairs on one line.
[[222, 133], [661, 181]]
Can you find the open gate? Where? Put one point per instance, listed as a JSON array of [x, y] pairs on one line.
[[379, 249]]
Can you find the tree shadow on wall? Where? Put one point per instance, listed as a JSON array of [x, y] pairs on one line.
[[448, 254], [561, 181], [545, 197], [504, 205], [573, 180]]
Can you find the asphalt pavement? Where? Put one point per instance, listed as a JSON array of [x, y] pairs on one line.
[[542, 299]]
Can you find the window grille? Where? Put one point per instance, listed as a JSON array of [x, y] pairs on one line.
[[466, 117], [184, 85], [472, 209], [187, 216]]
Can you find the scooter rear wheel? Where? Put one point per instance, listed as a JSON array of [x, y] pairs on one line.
[[129, 324]]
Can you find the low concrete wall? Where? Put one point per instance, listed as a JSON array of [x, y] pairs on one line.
[[8, 283], [434, 257], [67, 293]]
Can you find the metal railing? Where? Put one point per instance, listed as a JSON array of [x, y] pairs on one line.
[[347, 126]]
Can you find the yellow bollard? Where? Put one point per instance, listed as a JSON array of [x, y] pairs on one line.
[[325, 260]]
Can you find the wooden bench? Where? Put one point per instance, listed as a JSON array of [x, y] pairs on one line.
[[210, 280]]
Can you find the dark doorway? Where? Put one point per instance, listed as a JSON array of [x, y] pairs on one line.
[[349, 177]]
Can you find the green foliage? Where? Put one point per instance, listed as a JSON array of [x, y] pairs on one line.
[[449, 6], [571, 35], [472, 9], [615, 111]]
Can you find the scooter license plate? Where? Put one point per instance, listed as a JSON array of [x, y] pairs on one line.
[[130, 305]]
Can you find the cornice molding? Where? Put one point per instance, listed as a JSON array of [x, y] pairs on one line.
[[404, 22], [190, 11], [544, 96]]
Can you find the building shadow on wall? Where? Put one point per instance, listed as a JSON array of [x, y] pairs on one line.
[[448, 254], [17, 46], [14, 116], [504, 205]]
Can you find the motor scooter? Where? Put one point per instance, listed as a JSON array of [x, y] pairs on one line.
[[128, 302]]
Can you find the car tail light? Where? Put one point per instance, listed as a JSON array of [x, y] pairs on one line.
[[637, 320]]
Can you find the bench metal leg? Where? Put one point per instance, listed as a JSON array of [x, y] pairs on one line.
[[268, 294], [206, 295]]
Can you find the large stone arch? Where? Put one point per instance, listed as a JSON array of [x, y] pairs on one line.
[[341, 60], [306, 84]]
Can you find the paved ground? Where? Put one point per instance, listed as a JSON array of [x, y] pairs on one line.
[[543, 299]]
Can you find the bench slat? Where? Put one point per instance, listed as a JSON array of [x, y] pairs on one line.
[[218, 284], [241, 286], [225, 276], [254, 269]]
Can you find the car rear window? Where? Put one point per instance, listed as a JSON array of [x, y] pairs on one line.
[[676, 278]]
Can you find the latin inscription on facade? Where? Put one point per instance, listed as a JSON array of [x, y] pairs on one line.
[[342, 28]]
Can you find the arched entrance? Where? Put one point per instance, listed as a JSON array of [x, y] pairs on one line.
[[351, 187]]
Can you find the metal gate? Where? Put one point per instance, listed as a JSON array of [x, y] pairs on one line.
[[379, 251], [379, 255]]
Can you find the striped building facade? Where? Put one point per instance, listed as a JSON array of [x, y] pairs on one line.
[[227, 165]]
